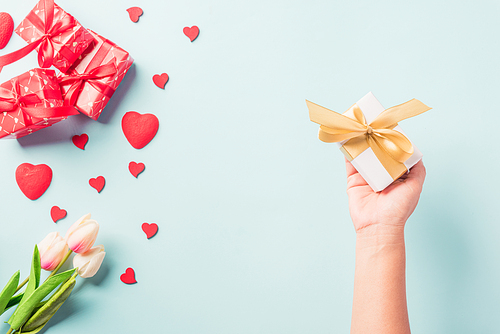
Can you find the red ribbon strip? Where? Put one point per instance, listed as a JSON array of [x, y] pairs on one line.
[[46, 51], [77, 81], [101, 54], [50, 112]]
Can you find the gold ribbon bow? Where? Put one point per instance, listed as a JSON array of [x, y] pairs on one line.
[[391, 147]]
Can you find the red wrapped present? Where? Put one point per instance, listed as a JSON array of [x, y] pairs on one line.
[[30, 102], [93, 79], [57, 36]]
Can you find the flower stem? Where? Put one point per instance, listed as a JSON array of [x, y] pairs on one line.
[[10, 331], [22, 284], [60, 264]]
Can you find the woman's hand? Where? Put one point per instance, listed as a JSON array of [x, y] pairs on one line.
[[379, 303], [390, 207]]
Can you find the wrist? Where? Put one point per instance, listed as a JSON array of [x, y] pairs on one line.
[[377, 222], [380, 234]]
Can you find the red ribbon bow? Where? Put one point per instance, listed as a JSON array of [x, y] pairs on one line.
[[77, 81], [10, 100], [46, 51]]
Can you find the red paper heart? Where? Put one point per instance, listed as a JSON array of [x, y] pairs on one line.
[[128, 277], [33, 180], [160, 80], [56, 213], [6, 29], [192, 32], [136, 168], [134, 13], [150, 229], [80, 141], [97, 183], [139, 129]]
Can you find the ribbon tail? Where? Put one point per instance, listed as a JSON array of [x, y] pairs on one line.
[[332, 120], [390, 117], [329, 135], [326, 137], [16, 55]]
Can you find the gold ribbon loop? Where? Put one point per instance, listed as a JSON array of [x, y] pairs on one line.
[[391, 147], [390, 117], [394, 143]]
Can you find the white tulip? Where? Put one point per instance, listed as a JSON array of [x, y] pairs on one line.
[[89, 263]]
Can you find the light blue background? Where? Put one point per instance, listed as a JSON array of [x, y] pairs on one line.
[[255, 234]]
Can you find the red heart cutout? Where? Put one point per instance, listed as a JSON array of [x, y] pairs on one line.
[[192, 32], [160, 80], [6, 29], [80, 141], [136, 168], [134, 13], [97, 183], [150, 229], [33, 180], [128, 277], [139, 129], [56, 213]]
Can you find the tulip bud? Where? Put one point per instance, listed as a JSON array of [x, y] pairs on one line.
[[52, 250], [89, 263], [82, 234]]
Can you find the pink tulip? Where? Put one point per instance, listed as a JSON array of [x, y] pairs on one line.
[[89, 263], [82, 234], [52, 250]]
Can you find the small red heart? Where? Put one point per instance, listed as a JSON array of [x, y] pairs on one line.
[[139, 129], [134, 13], [136, 168], [128, 277], [33, 180], [6, 29], [150, 229], [97, 183], [56, 213], [160, 80], [80, 141], [192, 32]]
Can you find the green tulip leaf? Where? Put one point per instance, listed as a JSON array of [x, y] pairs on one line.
[[39, 306], [8, 291], [34, 331], [14, 301], [29, 303], [45, 313], [34, 279]]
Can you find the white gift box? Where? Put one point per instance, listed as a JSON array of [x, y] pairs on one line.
[[367, 163]]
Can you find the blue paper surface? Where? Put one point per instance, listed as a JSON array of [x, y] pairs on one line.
[[254, 230]]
